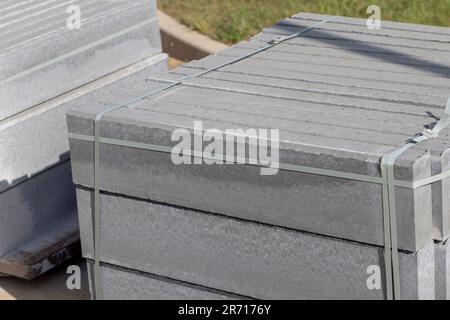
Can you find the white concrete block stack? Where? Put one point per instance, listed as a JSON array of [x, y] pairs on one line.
[[343, 97], [57, 55]]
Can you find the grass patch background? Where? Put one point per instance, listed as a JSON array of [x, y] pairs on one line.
[[231, 21]]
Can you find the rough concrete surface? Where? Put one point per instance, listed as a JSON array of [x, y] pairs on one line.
[[31, 202], [41, 56], [30, 207], [442, 267], [125, 284], [338, 122], [47, 66], [37, 139], [342, 97], [242, 257]]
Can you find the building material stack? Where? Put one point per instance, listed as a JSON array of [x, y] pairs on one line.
[[57, 55], [343, 98]]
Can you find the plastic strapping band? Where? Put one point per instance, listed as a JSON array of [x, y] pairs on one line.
[[392, 267], [99, 116]]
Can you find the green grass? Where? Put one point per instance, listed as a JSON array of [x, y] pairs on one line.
[[230, 21]]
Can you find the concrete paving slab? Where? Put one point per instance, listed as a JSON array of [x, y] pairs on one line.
[[323, 141], [279, 70], [304, 69], [372, 41], [299, 110], [212, 95], [58, 59], [442, 267], [239, 190], [247, 202], [387, 105], [332, 31], [37, 139], [242, 257], [440, 196], [125, 284], [424, 29], [25, 25], [355, 53], [417, 66], [411, 98], [359, 68], [360, 27], [391, 52], [27, 209]]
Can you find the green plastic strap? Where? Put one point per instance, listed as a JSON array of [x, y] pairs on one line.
[[99, 116]]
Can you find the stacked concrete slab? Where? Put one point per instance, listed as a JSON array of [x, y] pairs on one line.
[[46, 68], [342, 96]]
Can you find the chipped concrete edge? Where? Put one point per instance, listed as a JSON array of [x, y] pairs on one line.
[[183, 43]]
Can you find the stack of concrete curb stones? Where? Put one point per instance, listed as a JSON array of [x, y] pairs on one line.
[[48, 66], [342, 97]]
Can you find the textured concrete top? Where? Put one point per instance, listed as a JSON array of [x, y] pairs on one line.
[[37, 46], [340, 89]]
